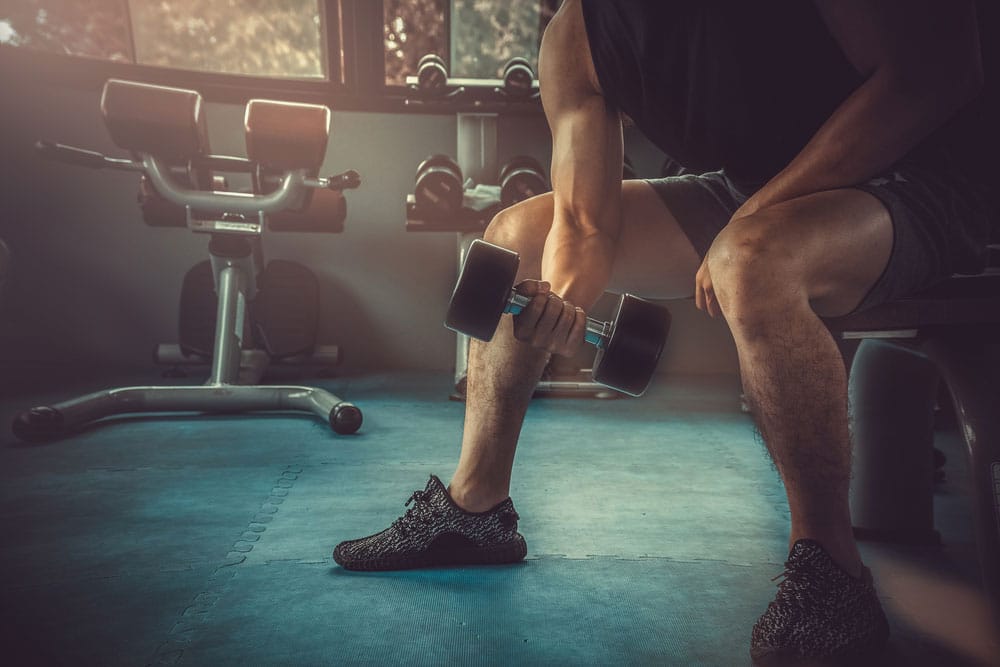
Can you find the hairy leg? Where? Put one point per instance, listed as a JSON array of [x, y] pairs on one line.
[[654, 258], [775, 274]]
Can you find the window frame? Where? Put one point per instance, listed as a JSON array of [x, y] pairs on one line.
[[354, 58]]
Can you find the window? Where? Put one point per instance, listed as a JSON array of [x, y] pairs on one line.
[[484, 34], [305, 42], [259, 37], [93, 28], [281, 38], [413, 28]]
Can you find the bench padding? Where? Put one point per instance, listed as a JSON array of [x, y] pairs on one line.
[[958, 301], [166, 122], [286, 135]]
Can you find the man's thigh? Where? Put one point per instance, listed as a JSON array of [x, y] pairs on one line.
[[655, 257]]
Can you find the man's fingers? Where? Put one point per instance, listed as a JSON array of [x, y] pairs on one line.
[[527, 320], [560, 333], [704, 295], [577, 331], [711, 305], [547, 322], [532, 287]]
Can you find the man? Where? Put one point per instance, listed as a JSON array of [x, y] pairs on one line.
[[832, 185]]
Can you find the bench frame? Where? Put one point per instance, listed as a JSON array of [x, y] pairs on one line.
[[897, 354]]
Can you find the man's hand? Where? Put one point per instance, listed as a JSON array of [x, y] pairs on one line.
[[549, 323], [704, 293]]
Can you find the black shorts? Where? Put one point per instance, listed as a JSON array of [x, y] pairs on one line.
[[940, 223]]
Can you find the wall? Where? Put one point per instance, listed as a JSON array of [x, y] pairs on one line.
[[91, 284]]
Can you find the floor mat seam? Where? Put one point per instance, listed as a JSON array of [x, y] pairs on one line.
[[182, 633]]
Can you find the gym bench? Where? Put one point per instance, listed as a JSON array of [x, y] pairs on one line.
[[897, 354]]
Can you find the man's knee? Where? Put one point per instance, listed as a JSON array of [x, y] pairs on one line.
[[523, 227], [755, 272]]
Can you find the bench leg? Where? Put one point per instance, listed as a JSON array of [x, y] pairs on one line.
[[892, 391], [972, 371]]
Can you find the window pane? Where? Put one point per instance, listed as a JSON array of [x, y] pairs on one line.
[[413, 28], [258, 37], [485, 34], [94, 28]]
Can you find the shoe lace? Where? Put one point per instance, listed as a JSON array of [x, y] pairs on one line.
[[787, 573], [420, 513], [792, 584]]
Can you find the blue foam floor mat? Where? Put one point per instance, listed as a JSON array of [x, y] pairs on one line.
[[653, 529]]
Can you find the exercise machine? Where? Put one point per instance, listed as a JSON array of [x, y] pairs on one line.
[[164, 129]]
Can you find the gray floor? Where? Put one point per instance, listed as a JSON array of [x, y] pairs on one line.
[[653, 527]]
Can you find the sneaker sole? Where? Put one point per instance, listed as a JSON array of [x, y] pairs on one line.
[[870, 654], [501, 554]]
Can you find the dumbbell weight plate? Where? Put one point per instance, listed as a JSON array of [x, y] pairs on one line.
[[483, 289], [438, 185], [633, 350], [429, 57], [521, 178], [432, 73], [518, 77]]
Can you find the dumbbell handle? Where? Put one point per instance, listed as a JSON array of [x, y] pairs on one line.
[[597, 334]]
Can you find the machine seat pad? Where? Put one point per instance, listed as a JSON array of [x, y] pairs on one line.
[[168, 123], [287, 135]]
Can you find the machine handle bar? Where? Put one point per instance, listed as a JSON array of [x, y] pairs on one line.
[[349, 180], [287, 195], [82, 157]]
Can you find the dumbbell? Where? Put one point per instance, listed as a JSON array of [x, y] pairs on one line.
[[432, 74], [518, 77], [438, 188], [628, 347], [521, 178]]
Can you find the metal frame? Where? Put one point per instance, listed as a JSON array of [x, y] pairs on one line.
[[920, 342], [224, 392]]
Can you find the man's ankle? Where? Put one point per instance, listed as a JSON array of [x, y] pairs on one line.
[[844, 552], [472, 499]]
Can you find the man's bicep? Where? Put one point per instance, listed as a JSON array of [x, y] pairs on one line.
[[586, 134], [587, 161]]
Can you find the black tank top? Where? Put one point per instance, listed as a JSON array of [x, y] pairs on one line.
[[722, 84]]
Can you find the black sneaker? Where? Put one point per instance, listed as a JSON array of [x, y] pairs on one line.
[[821, 615], [436, 532]]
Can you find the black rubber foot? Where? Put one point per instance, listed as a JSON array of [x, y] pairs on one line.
[[38, 424], [345, 418]]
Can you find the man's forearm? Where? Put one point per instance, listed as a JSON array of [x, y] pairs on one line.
[[577, 261], [873, 129]]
